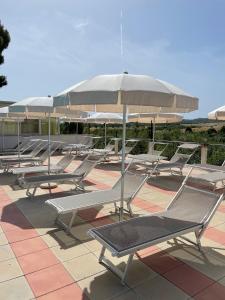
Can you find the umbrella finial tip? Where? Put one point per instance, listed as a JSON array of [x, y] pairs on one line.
[[125, 72]]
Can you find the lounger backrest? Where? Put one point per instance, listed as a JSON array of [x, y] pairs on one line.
[[132, 184], [65, 161], [45, 154], [38, 149], [153, 149], [192, 204], [85, 167], [182, 158]]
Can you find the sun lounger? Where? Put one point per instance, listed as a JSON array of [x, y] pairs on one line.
[[39, 146], [176, 164], [24, 146], [76, 177], [190, 211], [59, 167], [72, 204], [37, 160], [154, 155], [212, 174]]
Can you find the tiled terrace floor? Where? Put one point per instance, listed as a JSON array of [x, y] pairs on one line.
[[39, 261]]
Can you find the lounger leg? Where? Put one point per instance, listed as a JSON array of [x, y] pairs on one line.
[[129, 261], [197, 235], [71, 221], [130, 209], [34, 191], [101, 254]]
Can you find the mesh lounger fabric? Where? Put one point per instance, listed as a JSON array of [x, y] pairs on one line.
[[188, 210], [76, 202], [213, 177], [132, 183], [36, 169], [137, 231]]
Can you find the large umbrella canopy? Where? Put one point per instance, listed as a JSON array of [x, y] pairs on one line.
[[116, 93], [217, 114], [107, 93]]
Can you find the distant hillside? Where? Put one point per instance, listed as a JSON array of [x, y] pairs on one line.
[[199, 120]]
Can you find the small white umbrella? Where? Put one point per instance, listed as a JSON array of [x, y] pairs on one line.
[[217, 114], [155, 118], [6, 116], [39, 107], [114, 93], [105, 118]]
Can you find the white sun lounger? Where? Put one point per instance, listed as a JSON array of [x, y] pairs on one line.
[[190, 211], [37, 160], [59, 167], [39, 146], [214, 174], [72, 204], [24, 146], [76, 177], [176, 164]]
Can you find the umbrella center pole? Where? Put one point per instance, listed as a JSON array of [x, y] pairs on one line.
[[49, 185], [123, 162], [105, 134]]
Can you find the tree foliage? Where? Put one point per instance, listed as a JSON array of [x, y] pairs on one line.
[[4, 42]]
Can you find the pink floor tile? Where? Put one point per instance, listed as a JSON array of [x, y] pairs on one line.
[[161, 262], [70, 292], [215, 235], [49, 280], [20, 235], [36, 261], [213, 292], [28, 246], [188, 279]]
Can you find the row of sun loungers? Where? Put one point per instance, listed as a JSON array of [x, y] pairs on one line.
[[190, 210]]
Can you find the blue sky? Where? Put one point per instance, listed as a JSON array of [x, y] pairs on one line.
[[56, 43]]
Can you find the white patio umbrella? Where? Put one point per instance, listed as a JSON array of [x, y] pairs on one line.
[[6, 116], [155, 118], [217, 114], [105, 118], [126, 92], [39, 107]]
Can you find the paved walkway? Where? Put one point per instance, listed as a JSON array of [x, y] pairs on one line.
[[39, 261]]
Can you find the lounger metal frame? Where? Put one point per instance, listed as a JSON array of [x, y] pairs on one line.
[[77, 180], [198, 230]]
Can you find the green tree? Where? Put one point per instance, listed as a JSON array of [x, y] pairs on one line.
[[4, 42]]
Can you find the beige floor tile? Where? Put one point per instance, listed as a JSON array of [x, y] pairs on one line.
[[83, 266], [6, 252], [3, 239], [59, 238], [69, 253], [94, 246], [130, 295], [80, 231], [15, 289], [159, 288], [102, 286], [9, 269]]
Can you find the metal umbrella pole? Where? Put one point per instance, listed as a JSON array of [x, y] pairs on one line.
[[153, 131], [18, 136], [49, 141], [105, 134], [123, 162], [3, 135]]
